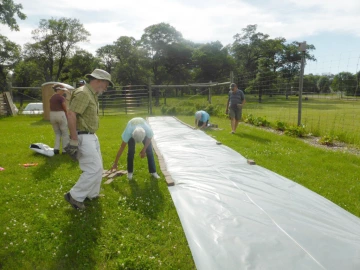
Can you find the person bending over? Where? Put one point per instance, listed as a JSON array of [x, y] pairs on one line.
[[201, 119], [137, 131]]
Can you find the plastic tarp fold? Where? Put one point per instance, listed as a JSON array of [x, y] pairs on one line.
[[241, 216], [42, 148]]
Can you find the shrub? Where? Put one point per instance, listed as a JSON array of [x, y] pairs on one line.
[[256, 121], [295, 131], [280, 126], [327, 140], [249, 119], [214, 110], [168, 110]]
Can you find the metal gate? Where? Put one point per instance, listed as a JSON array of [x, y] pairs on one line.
[[130, 99]]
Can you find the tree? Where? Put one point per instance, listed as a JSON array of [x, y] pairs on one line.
[[265, 80], [27, 74], [9, 55], [310, 83], [55, 40], [247, 49], [357, 75], [344, 82], [291, 62], [80, 64], [131, 62], [8, 10], [323, 84], [155, 41], [212, 62], [107, 57]]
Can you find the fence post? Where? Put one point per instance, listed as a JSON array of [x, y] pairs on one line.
[[150, 96], [231, 76], [302, 49], [209, 98]]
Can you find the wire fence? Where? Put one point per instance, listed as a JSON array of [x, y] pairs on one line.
[[330, 100]]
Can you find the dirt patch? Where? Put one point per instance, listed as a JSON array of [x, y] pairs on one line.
[[337, 146], [315, 141]]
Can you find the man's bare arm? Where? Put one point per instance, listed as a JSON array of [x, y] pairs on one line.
[[72, 125]]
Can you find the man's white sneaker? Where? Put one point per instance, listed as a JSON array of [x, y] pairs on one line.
[[155, 175], [130, 175]]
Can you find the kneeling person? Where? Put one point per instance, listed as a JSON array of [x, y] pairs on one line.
[[136, 131], [201, 119]]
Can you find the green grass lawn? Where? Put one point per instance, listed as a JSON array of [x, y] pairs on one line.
[[334, 175], [322, 115], [135, 226]]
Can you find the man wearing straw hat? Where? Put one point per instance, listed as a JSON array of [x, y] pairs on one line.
[[84, 145]]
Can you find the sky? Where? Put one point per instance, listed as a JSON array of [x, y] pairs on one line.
[[332, 26]]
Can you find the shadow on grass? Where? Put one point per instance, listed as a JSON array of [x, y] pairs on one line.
[[252, 137], [46, 169], [80, 238], [146, 199]]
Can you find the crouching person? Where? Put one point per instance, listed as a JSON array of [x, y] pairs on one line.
[[201, 119], [137, 131]]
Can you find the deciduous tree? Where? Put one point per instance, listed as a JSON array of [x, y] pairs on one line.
[[8, 11], [55, 40]]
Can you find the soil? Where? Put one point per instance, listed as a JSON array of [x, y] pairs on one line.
[[315, 141]]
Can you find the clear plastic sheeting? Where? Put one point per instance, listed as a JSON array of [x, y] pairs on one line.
[[241, 216]]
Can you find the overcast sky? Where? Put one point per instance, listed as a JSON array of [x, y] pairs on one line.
[[331, 25]]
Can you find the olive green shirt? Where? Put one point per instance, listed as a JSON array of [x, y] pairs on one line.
[[84, 102]]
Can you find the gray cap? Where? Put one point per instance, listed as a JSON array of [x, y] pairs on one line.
[[232, 85]]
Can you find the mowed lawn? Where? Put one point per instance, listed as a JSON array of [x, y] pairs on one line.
[[332, 174], [321, 114], [134, 226]]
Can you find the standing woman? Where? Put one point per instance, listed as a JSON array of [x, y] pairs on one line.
[[58, 117]]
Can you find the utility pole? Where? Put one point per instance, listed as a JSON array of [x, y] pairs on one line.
[[209, 98], [302, 49], [150, 96]]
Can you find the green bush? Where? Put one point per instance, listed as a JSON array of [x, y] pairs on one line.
[[327, 140], [256, 121], [168, 110], [296, 131], [214, 110], [280, 126]]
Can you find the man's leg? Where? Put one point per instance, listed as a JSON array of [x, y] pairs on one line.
[[130, 155], [236, 124], [200, 123], [91, 165], [238, 117], [150, 157], [95, 191], [232, 119]]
